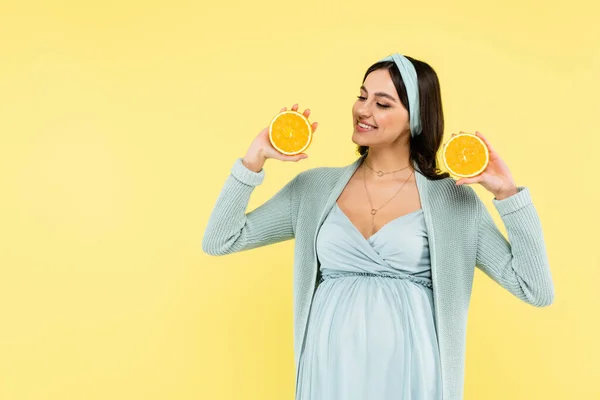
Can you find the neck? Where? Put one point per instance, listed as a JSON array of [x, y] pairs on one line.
[[389, 159]]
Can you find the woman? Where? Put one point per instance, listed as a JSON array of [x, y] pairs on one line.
[[385, 248]]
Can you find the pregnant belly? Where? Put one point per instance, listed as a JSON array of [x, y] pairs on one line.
[[371, 314]]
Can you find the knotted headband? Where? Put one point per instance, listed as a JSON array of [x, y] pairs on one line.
[[409, 76]]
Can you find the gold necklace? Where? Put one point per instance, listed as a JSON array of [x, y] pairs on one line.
[[374, 210], [381, 173]]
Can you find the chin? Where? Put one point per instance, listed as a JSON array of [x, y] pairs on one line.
[[359, 140], [356, 138]]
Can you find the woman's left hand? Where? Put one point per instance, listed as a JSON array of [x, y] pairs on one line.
[[496, 177]]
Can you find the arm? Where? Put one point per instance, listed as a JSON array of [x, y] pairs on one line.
[[230, 229], [520, 266]]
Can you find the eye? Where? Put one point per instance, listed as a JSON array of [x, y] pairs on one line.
[[362, 98]]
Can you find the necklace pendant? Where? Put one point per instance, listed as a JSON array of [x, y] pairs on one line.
[[379, 173], [373, 211]]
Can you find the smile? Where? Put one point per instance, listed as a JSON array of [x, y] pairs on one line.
[[364, 127]]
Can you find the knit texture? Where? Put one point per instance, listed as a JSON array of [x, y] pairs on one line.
[[461, 232]]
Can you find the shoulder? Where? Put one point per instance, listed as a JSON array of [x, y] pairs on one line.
[[446, 190], [320, 176]]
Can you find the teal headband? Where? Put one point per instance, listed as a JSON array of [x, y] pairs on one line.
[[409, 76]]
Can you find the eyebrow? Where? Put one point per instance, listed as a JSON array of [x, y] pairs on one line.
[[381, 94]]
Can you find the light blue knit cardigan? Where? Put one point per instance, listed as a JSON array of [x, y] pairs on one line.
[[461, 232]]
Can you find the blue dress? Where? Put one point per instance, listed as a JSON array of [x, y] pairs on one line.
[[371, 332]]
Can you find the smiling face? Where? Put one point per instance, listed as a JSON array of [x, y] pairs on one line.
[[379, 107]]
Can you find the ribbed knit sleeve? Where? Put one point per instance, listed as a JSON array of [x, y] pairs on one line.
[[231, 230], [519, 264]]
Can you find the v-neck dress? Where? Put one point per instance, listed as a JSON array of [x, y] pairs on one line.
[[371, 332]]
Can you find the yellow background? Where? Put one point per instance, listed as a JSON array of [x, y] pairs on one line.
[[120, 121]]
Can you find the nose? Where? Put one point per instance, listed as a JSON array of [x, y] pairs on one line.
[[363, 110]]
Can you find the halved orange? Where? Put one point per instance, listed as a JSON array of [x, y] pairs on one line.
[[465, 155], [290, 132]]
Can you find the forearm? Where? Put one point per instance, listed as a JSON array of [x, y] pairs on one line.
[[521, 263], [230, 229], [227, 218]]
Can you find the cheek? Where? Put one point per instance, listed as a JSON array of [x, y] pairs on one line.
[[384, 119], [393, 121]]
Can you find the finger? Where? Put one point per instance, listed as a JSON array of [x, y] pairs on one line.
[[487, 143], [296, 157], [306, 112], [468, 181], [283, 109], [314, 126], [295, 107], [464, 181], [284, 157]]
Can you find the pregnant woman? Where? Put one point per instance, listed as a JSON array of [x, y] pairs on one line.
[[385, 248]]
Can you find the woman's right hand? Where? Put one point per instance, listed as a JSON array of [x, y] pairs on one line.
[[261, 148]]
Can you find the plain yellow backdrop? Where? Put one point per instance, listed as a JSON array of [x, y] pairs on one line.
[[120, 121]]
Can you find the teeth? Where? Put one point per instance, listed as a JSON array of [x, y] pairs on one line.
[[365, 126]]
